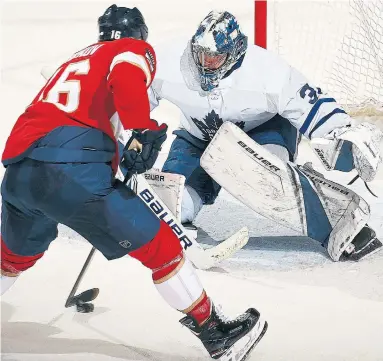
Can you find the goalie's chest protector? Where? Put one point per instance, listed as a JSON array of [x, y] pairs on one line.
[[204, 114], [248, 97]]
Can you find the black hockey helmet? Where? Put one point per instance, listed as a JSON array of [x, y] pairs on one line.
[[120, 22]]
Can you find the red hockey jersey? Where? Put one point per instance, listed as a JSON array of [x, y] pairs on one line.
[[87, 90]]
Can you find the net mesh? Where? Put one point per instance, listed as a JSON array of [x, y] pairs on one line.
[[338, 45]]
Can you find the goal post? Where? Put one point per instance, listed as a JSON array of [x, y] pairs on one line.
[[337, 44]]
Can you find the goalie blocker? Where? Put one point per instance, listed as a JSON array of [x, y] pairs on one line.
[[294, 196]]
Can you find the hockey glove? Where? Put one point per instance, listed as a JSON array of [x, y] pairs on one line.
[[142, 149]]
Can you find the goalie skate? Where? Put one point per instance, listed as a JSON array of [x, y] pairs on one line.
[[365, 244], [229, 340]]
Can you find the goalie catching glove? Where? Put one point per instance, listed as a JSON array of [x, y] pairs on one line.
[[142, 149]]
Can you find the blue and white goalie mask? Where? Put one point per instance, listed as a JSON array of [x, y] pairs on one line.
[[217, 46]]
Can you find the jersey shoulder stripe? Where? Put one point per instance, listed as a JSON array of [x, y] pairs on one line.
[[135, 59]]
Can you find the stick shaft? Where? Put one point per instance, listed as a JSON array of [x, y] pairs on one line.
[[80, 276], [87, 262]]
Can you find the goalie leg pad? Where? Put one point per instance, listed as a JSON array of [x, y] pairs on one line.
[[183, 201], [347, 212], [255, 177], [169, 187], [297, 198], [314, 217]]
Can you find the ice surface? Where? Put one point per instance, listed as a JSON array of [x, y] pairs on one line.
[[317, 310]]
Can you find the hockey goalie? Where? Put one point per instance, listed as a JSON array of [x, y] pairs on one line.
[[244, 111]]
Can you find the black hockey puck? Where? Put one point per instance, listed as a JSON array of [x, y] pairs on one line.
[[83, 307]]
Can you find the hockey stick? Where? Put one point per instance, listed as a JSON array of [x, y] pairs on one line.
[[86, 296]]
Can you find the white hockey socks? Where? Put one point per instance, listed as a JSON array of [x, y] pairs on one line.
[[181, 288]]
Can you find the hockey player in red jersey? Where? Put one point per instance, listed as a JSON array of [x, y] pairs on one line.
[[61, 157]]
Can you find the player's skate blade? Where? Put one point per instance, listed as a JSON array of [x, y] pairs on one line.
[[241, 349], [364, 245], [229, 340]]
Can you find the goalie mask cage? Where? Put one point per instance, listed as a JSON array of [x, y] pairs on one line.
[[338, 45]]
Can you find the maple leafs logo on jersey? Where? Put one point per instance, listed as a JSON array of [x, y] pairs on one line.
[[210, 125]]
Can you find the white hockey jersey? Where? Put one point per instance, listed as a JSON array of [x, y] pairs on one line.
[[263, 86]]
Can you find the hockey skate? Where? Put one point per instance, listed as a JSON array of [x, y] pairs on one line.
[[364, 244], [228, 340]]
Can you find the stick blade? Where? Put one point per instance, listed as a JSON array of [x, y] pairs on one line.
[[86, 296], [212, 256], [229, 246]]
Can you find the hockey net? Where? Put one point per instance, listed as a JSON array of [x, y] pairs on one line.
[[338, 45]]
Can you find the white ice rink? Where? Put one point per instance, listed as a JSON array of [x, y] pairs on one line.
[[317, 310]]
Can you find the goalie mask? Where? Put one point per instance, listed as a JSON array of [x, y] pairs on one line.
[[217, 46]]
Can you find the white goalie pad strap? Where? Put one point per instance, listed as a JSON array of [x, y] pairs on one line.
[[169, 187], [183, 289], [254, 176]]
